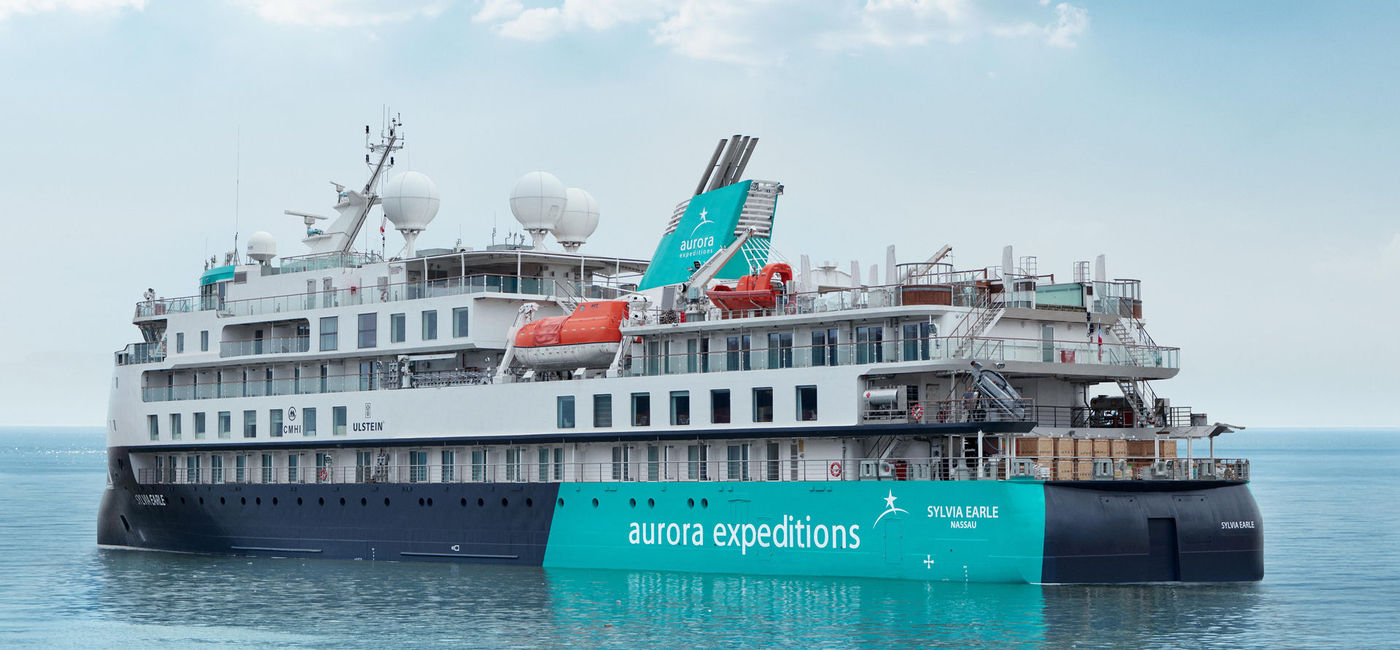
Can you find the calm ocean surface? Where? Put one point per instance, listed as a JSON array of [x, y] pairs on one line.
[[1330, 502]]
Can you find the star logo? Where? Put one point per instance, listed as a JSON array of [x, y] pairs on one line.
[[889, 508], [703, 220]]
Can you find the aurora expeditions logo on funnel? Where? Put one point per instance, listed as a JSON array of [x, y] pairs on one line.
[[708, 225]]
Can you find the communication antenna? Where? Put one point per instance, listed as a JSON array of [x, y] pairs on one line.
[[237, 178]]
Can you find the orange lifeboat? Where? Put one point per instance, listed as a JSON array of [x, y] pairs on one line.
[[752, 291], [587, 338]]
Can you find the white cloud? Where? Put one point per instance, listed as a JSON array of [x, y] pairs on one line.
[[498, 10], [1071, 22], [14, 7], [343, 13], [544, 23], [722, 31]]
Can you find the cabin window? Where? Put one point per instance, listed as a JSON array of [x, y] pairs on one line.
[[780, 350], [250, 424], [719, 406], [774, 464], [917, 341], [179, 342], [543, 457], [274, 423], [692, 346], [449, 465], [698, 462], [738, 462], [763, 405], [417, 466], [621, 459], [602, 411], [459, 322], [653, 356], [204, 341], [293, 468], [397, 325], [330, 332], [737, 356], [325, 377], [240, 469], [216, 469], [869, 348], [367, 375], [653, 462], [364, 466], [199, 426], [479, 459], [308, 422], [513, 462], [430, 325], [267, 468], [564, 411], [369, 330], [558, 463], [680, 407], [192, 473], [338, 417], [171, 470], [225, 424], [153, 426], [175, 428], [641, 409], [806, 403]]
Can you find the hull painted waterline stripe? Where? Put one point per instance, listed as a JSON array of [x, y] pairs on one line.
[[274, 549], [475, 556]]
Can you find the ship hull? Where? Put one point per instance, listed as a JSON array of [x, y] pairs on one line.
[[977, 531]]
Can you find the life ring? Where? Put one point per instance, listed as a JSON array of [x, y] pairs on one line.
[[835, 469], [383, 295], [917, 412], [322, 474]]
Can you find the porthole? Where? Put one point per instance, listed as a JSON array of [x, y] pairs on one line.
[[651, 503], [182, 501], [363, 502], [201, 500], [221, 501], [464, 502], [257, 501], [561, 503], [420, 502], [481, 503], [320, 501], [298, 500], [504, 502], [632, 502], [430, 501], [386, 501], [243, 500], [704, 503], [595, 503], [342, 501], [274, 501], [529, 503], [690, 503]]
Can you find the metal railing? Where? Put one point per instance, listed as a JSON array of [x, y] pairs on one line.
[[808, 470], [277, 345], [136, 353], [953, 411]]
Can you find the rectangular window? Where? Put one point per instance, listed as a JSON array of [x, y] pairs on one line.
[[459, 322], [680, 407], [916, 341], [602, 410], [338, 417], [417, 466], [171, 470], [653, 463], [558, 463], [293, 468], [819, 347], [621, 461], [199, 426], [397, 324], [513, 464], [692, 346], [430, 325], [308, 422], [240, 469], [367, 375], [641, 409], [479, 464], [330, 332], [544, 464], [274, 423], [369, 330], [216, 469], [806, 403], [364, 466], [869, 344], [267, 476], [225, 424], [179, 342], [780, 350], [774, 464], [204, 341], [153, 426], [175, 428], [763, 405], [719, 406], [737, 356], [738, 463], [564, 411], [250, 424], [698, 459], [325, 377], [653, 358], [192, 474], [324, 465], [449, 465]]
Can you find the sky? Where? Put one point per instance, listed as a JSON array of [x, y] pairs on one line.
[[1242, 159]]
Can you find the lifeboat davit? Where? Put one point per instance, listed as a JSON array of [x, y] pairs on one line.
[[752, 291], [587, 338]]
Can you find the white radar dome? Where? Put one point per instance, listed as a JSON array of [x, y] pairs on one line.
[[410, 201], [262, 246], [579, 221], [538, 202]]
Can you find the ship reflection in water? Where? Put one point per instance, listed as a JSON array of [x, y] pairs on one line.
[[346, 603]]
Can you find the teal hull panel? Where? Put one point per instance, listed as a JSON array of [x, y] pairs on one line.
[[975, 531]]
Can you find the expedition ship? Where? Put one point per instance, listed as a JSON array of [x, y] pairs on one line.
[[709, 409]]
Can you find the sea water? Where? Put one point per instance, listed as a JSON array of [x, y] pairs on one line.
[[1330, 501]]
